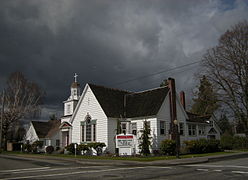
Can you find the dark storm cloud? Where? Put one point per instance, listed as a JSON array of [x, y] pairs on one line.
[[107, 42]]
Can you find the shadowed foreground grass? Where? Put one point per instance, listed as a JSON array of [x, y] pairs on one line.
[[129, 158]]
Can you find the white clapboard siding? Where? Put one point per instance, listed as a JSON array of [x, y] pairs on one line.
[[89, 105], [31, 135], [112, 129], [140, 127]]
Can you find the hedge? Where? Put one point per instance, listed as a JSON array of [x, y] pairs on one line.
[[202, 146]]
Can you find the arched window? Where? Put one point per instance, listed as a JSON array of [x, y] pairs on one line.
[[88, 126]]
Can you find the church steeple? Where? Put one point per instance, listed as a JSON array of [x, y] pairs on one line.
[[71, 102], [75, 89]]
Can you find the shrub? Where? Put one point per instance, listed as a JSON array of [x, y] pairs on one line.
[[240, 142], [49, 149], [71, 148], [98, 146], [27, 148], [168, 147], [226, 142], [202, 146]]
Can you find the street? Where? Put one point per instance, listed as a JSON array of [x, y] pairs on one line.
[[14, 168]]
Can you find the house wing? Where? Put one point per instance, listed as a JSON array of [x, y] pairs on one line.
[[41, 128]]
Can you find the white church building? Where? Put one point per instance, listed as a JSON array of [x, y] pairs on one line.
[[95, 114]]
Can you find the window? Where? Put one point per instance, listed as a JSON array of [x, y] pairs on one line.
[[94, 132], [68, 108], [83, 132], [57, 142], [74, 92], [181, 129], [162, 127], [201, 130], [134, 128], [124, 128], [88, 130], [192, 129]]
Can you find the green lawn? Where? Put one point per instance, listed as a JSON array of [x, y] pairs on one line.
[[150, 158]]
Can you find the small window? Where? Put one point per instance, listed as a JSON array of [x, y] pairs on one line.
[[181, 128], [68, 108], [162, 127], [192, 129], [134, 128], [201, 130], [74, 92], [82, 133], [57, 142], [124, 128]]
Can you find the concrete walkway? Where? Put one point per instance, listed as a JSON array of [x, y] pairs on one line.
[[101, 162]]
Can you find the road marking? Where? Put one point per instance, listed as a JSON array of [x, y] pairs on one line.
[[16, 170], [217, 170], [214, 166], [202, 169], [81, 172], [240, 172], [51, 169]]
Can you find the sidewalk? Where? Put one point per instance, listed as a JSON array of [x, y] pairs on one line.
[[100, 162]]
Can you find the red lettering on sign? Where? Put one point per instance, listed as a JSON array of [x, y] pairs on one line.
[[124, 137]]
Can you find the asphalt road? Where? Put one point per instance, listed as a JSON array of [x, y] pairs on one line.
[[12, 168]]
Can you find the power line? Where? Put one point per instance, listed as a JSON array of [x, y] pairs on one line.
[[160, 72]]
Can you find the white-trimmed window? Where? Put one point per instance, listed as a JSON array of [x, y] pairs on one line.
[[181, 129], [192, 129], [134, 128], [162, 127], [68, 109], [124, 127], [201, 130], [88, 130]]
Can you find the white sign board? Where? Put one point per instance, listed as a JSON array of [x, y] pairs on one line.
[[125, 143]]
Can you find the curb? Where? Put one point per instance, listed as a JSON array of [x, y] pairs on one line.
[[98, 162]]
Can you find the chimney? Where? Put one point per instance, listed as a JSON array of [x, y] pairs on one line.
[[173, 107], [182, 99]]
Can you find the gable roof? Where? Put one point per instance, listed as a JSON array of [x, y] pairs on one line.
[[45, 129], [146, 103], [111, 100], [137, 104], [198, 118]]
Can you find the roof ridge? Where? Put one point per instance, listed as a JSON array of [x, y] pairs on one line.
[[152, 89], [115, 89]]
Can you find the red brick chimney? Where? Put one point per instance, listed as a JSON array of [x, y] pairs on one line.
[[182, 99], [173, 107]]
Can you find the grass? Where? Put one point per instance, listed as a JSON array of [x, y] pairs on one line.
[[149, 158]]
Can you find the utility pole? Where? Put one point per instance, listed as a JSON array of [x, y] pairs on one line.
[[1, 127]]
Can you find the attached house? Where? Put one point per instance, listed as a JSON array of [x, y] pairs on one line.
[[97, 113], [47, 132]]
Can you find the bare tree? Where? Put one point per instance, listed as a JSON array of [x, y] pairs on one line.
[[226, 67], [22, 99]]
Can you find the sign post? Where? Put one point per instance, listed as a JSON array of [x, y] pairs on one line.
[[75, 147]]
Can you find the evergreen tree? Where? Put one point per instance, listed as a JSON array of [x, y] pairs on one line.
[[145, 140], [206, 100]]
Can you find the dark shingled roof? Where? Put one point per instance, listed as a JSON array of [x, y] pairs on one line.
[[197, 118], [145, 103], [45, 129], [138, 104], [111, 100]]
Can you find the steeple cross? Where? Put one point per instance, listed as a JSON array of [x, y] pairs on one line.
[[75, 77]]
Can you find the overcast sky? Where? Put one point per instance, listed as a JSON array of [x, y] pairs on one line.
[[107, 42]]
